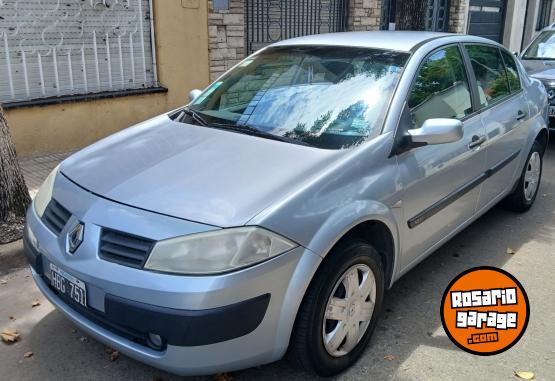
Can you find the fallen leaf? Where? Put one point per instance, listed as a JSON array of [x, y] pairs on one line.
[[510, 251], [389, 357], [35, 303], [28, 354], [3, 281], [114, 356], [525, 375], [12, 318], [223, 377], [10, 336]]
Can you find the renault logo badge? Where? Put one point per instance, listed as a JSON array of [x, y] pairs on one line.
[[550, 94], [75, 237]]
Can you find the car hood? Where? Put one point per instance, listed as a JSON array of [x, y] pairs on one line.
[[542, 70], [201, 174]]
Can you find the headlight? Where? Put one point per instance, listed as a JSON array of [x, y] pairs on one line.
[[44, 195], [217, 251]]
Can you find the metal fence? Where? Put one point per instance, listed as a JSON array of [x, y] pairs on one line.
[[55, 48], [268, 21], [437, 15]]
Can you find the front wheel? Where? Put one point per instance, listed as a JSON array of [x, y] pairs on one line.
[[339, 311], [524, 195]]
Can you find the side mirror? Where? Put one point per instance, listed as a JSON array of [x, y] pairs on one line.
[[437, 131], [193, 94]]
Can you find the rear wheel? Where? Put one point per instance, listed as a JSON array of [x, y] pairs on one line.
[[524, 195], [339, 311]]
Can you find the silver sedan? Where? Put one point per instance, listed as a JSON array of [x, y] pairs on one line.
[[272, 212]]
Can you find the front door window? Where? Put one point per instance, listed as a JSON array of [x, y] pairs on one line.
[[441, 89]]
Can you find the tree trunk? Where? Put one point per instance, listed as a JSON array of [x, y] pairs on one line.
[[411, 14], [14, 196]]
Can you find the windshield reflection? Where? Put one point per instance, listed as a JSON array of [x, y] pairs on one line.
[[328, 97], [543, 47]]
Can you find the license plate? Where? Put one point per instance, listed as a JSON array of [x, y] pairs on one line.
[[68, 285], [551, 110]]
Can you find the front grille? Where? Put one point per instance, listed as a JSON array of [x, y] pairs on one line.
[[123, 248], [550, 88], [55, 216]]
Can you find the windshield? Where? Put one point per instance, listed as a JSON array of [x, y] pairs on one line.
[[325, 96], [543, 47]]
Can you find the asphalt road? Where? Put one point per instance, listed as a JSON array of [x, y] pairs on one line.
[[409, 343]]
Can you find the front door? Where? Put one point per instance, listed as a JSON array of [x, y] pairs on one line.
[[441, 182], [504, 114]]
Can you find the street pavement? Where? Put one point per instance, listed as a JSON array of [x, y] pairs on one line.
[[408, 344]]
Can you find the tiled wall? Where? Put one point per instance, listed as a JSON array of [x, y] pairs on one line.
[[226, 36], [364, 15]]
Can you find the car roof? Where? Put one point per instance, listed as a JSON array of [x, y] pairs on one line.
[[392, 40], [404, 41]]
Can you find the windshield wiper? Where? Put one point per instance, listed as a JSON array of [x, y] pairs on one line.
[[193, 114], [248, 130]]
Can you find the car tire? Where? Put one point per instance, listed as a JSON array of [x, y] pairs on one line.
[[308, 350], [524, 194]]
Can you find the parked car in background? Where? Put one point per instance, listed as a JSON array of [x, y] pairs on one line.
[[539, 61], [272, 213]]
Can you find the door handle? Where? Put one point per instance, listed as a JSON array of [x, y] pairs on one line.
[[520, 115], [477, 141]]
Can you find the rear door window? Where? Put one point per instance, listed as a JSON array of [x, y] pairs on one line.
[[512, 71], [490, 72]]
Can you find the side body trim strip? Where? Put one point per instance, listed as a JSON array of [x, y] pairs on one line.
[[458, 193]]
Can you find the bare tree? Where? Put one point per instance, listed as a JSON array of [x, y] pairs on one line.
[[14, 196], [411, 14]]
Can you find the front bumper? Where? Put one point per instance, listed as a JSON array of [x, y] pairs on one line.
[[209, 324]]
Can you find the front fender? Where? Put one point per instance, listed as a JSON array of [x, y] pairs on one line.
[[337, 225], [342, 220]]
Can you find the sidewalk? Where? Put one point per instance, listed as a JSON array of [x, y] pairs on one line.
[[36, 168]]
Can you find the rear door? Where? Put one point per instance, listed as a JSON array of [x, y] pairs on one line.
[[504, 113], [441, 182]]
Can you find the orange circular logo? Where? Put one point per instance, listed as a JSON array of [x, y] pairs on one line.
[[485, 311]]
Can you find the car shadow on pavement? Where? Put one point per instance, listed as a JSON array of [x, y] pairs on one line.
[[410, 317]]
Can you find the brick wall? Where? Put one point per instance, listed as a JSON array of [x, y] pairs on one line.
[[458, 14], [364, 15], [226, 37]]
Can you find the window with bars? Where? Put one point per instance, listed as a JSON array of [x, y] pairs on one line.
[[55, 48]]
